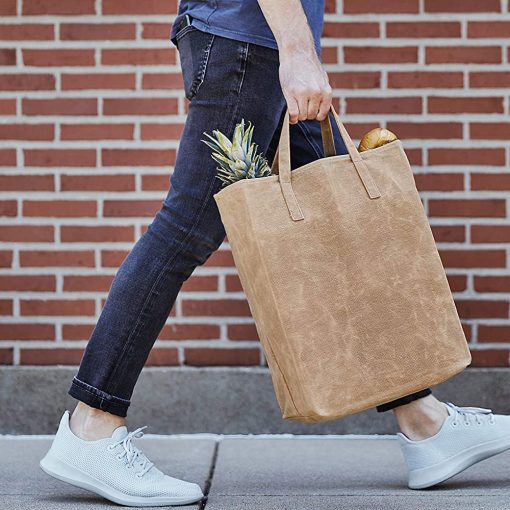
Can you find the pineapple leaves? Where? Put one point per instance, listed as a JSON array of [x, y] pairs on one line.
[[237, 159]]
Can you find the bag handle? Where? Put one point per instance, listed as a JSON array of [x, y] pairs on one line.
[[285, 173]]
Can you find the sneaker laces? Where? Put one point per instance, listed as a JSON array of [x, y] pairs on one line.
[[471, 413], [133, 453]]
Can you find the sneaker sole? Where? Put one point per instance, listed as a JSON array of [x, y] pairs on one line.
[[427, 477], [62, 471]]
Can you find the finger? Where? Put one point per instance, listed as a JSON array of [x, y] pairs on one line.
[[293, 108], [302, 102], [313, 107], [325, 105]]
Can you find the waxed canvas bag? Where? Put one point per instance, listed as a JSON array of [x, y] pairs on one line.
[[343, 279]]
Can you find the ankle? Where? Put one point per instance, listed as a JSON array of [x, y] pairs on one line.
[[90, 424], [421, 418]]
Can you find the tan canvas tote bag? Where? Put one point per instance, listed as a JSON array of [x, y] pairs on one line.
[[343, 279]]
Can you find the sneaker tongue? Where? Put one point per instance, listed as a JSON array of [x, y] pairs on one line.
[[119, 433]]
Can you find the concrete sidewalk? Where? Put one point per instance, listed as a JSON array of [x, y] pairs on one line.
[[266, 472]]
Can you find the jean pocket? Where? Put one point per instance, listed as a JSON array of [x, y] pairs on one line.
[[194, 47]]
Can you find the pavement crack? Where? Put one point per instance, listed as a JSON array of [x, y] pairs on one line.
[[208, 482]]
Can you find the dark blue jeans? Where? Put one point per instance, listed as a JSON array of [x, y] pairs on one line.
[[225, 81]]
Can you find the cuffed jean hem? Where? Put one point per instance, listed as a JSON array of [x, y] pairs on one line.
[[403, 400], [97, 398]]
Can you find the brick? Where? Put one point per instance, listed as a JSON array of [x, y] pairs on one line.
[[138, 157], [490, 233], [350, 30], [490, 357], [380, 54], [488, 29], [116, 7], [462, 6], [171, 81], [12, 82], [34, 283], [463, 55], [449, 233], [59, 208], [130, 208], [29, 132], [215, 307], [465, 105], [163, 357], [27, 331], [133, 56], [8, 8], [97, 31], [58, 57], [489, 130], [27, 182], [221, 356], [233, 283], [425, 79], [98, 81], [390, 105], [97, 131], [242, 332], [155, 182], [457, 283], [155, 31], [60, 157], [58, 7], [7, 106], [97, 234], [7, 157], [56, 258], [6, 307], [8, 208], [7, 57], [88, 283], [466, 156], [6, 353], [60, 106], [375, 6], [466, 208], [190, 332], [140, 106], [161, 132], [490, 182], [200, 284], [426, 130], [354, 80], [473, 258], [27, 32], [439, 181], [493, 333], [482, 309], [329, 55], [27, 233], [113, 258], [220, 258], [5, 258], [500, 283], [39, 307], [53, 356], [105, 182], [489, 79], [425, 30], [77, 331]]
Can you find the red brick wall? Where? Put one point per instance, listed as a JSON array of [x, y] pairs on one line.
[[92, 110]]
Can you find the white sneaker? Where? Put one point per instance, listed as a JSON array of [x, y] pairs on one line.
[[114, 468], [467, 436]]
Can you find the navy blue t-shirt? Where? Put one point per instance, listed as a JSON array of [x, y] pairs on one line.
[[243, 20]]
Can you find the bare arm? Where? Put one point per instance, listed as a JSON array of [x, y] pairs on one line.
[[304, 82]]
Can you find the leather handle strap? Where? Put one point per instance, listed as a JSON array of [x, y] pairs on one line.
[[328, 144], [284, 170]]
